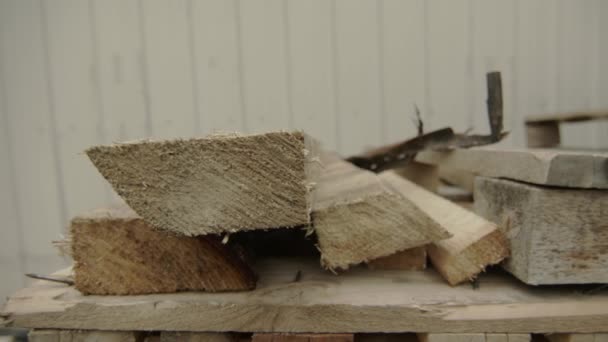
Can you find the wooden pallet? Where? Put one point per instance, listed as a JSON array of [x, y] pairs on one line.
[[296, 296]]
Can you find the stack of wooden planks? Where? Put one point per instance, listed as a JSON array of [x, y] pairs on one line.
[[188, 200], [280, 227], [551, 204]]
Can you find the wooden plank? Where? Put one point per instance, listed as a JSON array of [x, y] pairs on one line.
[[577, 337], [480, 337], [538, 166], [362, 300], [49, 335], [446, 337], [425, 175], [265, 337], [187, 336], [543, 134], [413, 259], [557, 235], [475, 242], [358, 218], [221, 183], [568, 116], [116, 252]]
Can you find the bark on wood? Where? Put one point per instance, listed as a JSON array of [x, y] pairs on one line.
[[538, 166], [116, 252], [359, 217], [557, 236], [475, 242], [361, 301], [413, 259], [222, 183]]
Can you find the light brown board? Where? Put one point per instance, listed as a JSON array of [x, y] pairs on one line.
[[567, 117], [49, 335], [274, 337], [221, 183], [577, 337], [478, 337], [116, 252], [360, 300], [425, 175], [538, 166], [557, 235], [475, 242], [358, 217], [413, 259]]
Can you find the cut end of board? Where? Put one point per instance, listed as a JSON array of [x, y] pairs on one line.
[[216, 184], [116, 252]]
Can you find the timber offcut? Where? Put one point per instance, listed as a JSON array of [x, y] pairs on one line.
[[216, 184]]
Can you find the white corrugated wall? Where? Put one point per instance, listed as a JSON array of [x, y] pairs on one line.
[[75, 73]]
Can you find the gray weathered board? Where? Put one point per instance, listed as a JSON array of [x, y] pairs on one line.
[[539, 166], [361, 300], [557, 235]]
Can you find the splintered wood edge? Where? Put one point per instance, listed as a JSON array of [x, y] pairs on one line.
[[466, 265]]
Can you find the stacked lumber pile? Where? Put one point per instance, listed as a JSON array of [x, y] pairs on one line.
[[279, 226], [551, 204], [198, 209]]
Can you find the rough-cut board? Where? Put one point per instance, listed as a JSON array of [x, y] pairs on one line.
[[186, 336], [269, 337], [116, 252], [577, 337], [557, 235], [475, 244], [50, 335], [413, 259], [478, 337], [358, 217], [221, 183], [538, 166], [425, 175], [360, 300]]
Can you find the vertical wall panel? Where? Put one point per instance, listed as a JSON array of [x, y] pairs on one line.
[[217, 65], [575, 67], [11, 244], [493, 50], [264, 65], [361, 110], [447, 57], [536, 60], [168, 68], [120, 69], [403, 66], [31, 132], [78, 116], [310, 51]]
